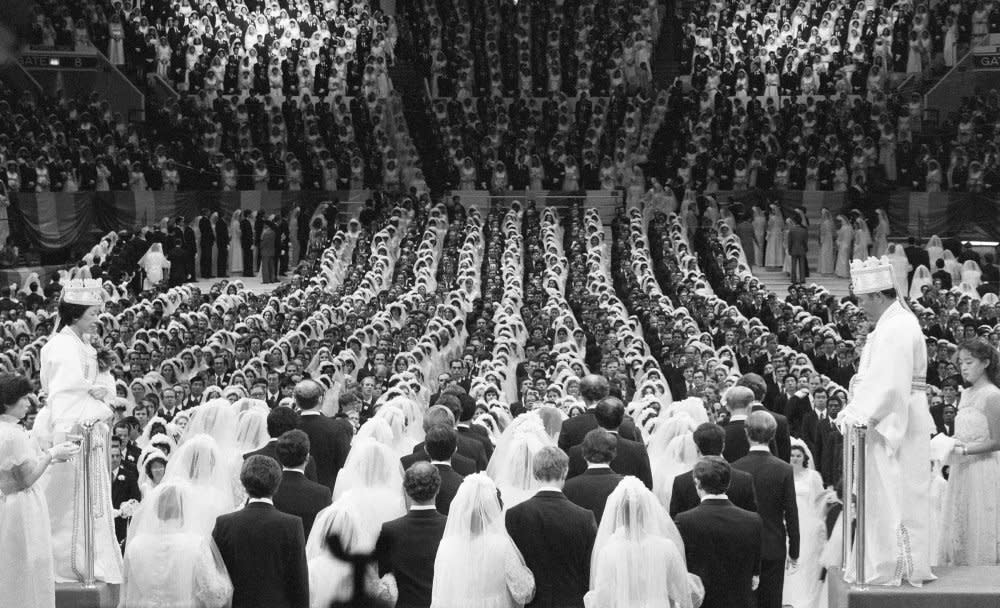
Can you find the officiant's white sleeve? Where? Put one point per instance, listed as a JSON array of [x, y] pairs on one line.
[[881, 394]]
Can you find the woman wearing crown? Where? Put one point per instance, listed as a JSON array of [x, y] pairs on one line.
[[74, 402]]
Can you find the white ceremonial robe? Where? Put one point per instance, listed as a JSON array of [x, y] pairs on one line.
[[897, 535]]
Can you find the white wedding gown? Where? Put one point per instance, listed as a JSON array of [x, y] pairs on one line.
[[802, 584], [174, 570]]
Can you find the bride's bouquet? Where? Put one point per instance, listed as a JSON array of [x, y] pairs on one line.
[[127, 508]]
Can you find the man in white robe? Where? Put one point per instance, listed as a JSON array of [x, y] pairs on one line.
[[889, 394]]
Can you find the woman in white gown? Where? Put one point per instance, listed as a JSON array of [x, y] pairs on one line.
[[759, 232], [201, 463], [26, 577], [75, 400], [971, 274], [372, 469], [154, 263], [774, 253], [862, 239], [827, 234], [169, 561], [921, 277], [638, 557], [510, 467], [953, 266], [845, 244], [881, 244], [671, 453], [935, 250], [971, 533], [236, 240], [802, 584], [477, 563]]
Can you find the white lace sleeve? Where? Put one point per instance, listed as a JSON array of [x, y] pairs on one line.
[[383, 589], [520, 580], [212, 587]]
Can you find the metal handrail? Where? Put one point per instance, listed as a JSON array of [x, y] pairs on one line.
[[855, 500], [87, 445]]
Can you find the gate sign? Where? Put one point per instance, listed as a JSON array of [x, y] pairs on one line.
[[58, 61]]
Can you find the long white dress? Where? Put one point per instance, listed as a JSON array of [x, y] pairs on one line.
[[885, 393], [774, 254], [802, 585], [235, 245], [154, 263], [68, 372], [845, 244], [827, 258], [174, 570], [971, 532], [26, 577]]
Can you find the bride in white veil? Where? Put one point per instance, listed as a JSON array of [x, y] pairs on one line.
[[921, 276], [638, 558], [935, 250], [511, 466], [802, 585], [373, 470], [972, 274], [201, 463], [477, 563], [170, 562]]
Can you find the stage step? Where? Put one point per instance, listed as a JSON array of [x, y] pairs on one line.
[[778, 282], [968, 587], [74, 595]]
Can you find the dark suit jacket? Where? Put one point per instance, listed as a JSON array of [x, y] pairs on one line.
[[591, 489], [684, 496], [796, 408], [407, 547], [556, 538], [774, 483], [575, 428], [329, 443], [124, 487], [300, 497], [450, 480], [477, 433], [722, 544], [462, 465], [798, 241], [469, 449], [737, 444], [270, 449], [631, 459], [265, 553]]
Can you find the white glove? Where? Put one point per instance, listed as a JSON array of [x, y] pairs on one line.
[[845, 421]]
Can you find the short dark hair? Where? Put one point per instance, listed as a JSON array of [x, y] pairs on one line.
[[260, 476], [453, 403], [599, 446], [755, 383], [713, 473], [440, 442], [609, 413], [280, 420], [710, 439], [421, 481], [69, 313], [292, 448], [12, 388]]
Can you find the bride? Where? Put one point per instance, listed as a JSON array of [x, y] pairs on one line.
[[511, 465], [477, 564], [802, 585], [169, 561], [74, 400], [638, 558]]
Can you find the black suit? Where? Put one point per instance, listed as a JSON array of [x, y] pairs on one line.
[[684, 496], [831, 453], [462, 465], [450, 481], [556, 538], [468, 448], [591, 489], [575, 428], [774, 483], [477, 433], [265, 553], [300, 497], [722, 544], [124, 487], [207, 241], [796, 408], [329, 443], [270, 449], [630, 459], [407, 548]]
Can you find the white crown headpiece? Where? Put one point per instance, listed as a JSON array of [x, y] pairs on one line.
[[86, 292], [871, 275]]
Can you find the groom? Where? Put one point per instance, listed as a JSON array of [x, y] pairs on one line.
[[889, 395]]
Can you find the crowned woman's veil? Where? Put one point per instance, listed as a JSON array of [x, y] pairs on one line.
[[169, 556], [638, 558]]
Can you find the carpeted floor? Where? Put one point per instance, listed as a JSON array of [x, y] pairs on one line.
[[971, 587]]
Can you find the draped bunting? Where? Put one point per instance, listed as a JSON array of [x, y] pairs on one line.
[[50, 221]]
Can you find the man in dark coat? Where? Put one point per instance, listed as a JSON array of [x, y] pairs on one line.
[[329, 438], [710, 439], [178, 258], [207, 241], [798, 247], [222, 242], [246, 244], [407, 546], [591, 489], [297, 495], [631, 457], [190, 243]]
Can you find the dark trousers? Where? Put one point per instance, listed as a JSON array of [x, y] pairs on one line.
[[799, 268], [248, 261], [772, 583], [268, 267], [223, 262], [191, 273], [206, 261]]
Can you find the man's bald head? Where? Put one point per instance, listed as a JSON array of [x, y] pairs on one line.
[[738, 399], [308, 394], [593, 388]]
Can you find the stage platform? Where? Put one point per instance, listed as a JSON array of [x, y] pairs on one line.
[[970, 587], [73, 595]]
